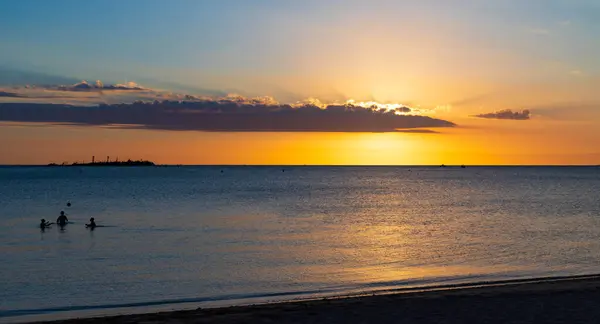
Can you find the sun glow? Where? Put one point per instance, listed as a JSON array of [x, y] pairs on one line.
[[383, 142], [399, 108]]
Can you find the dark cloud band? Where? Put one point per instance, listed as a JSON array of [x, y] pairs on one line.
[[222, 115], [6, 94]]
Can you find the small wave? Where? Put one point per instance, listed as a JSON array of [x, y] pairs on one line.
[[22, 312], [379, 288]]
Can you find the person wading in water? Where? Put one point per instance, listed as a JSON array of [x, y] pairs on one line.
[[62, 220]]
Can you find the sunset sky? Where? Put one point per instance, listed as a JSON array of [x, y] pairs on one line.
[[503, 81]]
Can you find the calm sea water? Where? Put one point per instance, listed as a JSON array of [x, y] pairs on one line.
[[178, 237]]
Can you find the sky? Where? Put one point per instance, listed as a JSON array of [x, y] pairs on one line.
[[301, 82]]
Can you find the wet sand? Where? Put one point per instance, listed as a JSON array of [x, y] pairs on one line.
[[567, 300]]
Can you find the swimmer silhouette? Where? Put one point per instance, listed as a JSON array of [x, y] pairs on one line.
[[44, 224], [68, 204], [62, 220], [92, 224]]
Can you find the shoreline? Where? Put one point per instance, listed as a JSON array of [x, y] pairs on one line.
[[532, 300]]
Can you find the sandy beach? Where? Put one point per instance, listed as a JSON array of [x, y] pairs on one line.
[[564, 300]]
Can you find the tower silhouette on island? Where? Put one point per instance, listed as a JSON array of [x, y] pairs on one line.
[[108, 162]]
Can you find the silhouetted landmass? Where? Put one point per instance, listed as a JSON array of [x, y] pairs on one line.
[[109, 163]]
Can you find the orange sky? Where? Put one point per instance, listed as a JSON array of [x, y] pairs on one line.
[[498, 142]]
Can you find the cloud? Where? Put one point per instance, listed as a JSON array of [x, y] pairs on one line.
[[88, 94], [99, 86], [418, 131], [404, 110], [84, 93], [569, 111], [9, 94], [577, 73], [507, 114], [232, 114], [565, 23], [10, 77], [130, 104], [181, 88]]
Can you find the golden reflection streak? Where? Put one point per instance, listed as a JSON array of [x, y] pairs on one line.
[[391, 252]]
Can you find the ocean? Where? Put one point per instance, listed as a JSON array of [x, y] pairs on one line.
[[194, 236]]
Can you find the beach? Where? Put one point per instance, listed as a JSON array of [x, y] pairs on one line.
[[549, 300]]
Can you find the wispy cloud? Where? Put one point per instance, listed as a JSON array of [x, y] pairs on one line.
[[580, 111], [84, 93], [577, 73], [506, 114], [11, 77], [565, 23]]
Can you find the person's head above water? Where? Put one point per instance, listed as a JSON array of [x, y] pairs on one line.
[[43, 220], [92, 219], [62, 212]]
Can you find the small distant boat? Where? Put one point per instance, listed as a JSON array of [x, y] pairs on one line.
[[463, 166]]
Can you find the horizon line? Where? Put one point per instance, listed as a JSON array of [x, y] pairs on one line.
[[327, 165]]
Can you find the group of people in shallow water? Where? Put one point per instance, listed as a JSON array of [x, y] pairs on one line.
[[62, 221]]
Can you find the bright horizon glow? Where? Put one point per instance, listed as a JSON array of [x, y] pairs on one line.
[[71, 144]]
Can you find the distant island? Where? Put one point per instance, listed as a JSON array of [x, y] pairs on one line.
[[107, 163]]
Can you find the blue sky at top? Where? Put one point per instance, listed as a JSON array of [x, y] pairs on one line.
[[282, 44]]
